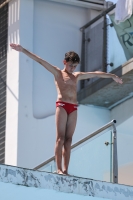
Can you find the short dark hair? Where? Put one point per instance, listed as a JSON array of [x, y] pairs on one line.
[[72, 56]]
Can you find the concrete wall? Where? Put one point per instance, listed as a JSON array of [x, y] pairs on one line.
[[123, 113], [49, 30], [20, 192]]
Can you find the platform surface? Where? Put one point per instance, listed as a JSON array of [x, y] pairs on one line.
[[65, 184]]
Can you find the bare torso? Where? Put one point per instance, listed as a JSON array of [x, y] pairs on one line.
[[66, 85]]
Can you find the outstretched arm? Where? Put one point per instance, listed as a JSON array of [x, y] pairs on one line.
[[86, 75], [54, 70]]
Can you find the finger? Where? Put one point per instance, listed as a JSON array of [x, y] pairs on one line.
[[12, 46]]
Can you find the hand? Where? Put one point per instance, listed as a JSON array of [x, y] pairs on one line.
[[16, 47], [117, 79]]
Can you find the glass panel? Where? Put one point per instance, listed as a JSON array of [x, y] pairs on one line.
[[107, 49], [92, 159], [125, 149], [50, 167], [94, 48], [117, 51]]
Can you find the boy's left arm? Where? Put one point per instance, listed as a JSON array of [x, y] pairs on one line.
[[87, 75]]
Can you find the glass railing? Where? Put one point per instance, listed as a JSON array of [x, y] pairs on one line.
[[49, 167], [95, 156], [106, 45], [118, 51]]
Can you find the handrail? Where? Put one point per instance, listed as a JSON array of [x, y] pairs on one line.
[[94, 133], [98, 17]]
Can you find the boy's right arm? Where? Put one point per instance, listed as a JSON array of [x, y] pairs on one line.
[[54, 70]]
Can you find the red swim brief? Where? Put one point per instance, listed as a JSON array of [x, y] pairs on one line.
[[69, 107]]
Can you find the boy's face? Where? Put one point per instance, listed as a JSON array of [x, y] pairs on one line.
[[70, 66]]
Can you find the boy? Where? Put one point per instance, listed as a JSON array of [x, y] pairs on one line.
[[66, 105]]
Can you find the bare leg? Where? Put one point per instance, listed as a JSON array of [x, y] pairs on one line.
[[71, 124], [61, 121]]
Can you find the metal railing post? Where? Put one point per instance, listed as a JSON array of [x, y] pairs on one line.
[[104, 56], [82, 67], [115, 161], [111, 160]]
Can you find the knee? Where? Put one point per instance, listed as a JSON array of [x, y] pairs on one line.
[[60, 140], [68, 141]]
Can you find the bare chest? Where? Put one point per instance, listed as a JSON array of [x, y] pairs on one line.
[[68, 79]]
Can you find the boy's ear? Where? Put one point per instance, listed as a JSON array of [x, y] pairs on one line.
[[64, 61]]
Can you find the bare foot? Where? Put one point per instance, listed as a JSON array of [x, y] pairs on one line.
[[59, 172], [66, 173]]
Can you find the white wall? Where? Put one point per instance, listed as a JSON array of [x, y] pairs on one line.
[[12, 101], [59, 25], [123, 111], [49, 30]]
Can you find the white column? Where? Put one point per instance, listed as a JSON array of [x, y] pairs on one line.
[[12, 84], [19, 73]]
